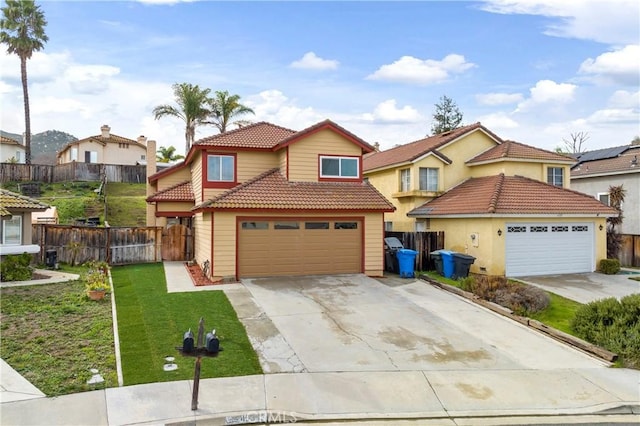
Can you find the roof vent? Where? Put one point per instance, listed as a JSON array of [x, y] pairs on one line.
[[634, 162]]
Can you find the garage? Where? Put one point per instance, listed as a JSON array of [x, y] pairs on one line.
[[549, 248], [307, 246]]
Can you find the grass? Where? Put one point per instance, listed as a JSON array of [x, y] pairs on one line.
[[152, 323], [558, 314], [53, 334]]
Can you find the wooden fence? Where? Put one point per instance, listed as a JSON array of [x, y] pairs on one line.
[[117, 246], [630, 251], [70, 172], [422, 242]]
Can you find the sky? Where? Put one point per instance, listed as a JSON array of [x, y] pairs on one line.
[[534, 71]]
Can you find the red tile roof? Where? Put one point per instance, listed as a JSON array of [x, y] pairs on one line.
[[10, 201], [179, 192], [514, 150], [411, 151], [510, 195], [260, 135], [271, 190], [627, 162]]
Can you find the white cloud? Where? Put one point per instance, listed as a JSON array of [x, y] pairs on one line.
[[619, 66], [310, 61], [412, 70], [388, 112], [274, 107], [41, 67], [624, 99], [497, 122], [614, 116], [612, 21], [499, 98], [546, 92], [90, 79]]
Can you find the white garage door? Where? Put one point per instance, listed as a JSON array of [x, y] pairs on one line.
[[549, 248]]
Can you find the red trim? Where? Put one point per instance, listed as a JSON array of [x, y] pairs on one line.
[[221, 184], [339, 179], [173, 213]]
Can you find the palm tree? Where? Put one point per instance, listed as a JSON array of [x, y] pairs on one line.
[[22, 30], [166, 155], [225, 107], [193, 103]]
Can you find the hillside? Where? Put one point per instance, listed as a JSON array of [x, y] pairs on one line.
[[44, 145]]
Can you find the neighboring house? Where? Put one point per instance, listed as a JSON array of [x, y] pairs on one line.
[[598, 170], [264, 200], [48, 216], [502, 202], [105, 148], [15, 215], [11, 151]]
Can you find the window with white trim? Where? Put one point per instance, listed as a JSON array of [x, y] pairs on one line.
[[555, 176], [428, 179], [12, 231], [604, 198], [74, 154], [339, 167], [405, 180], [221, 168]]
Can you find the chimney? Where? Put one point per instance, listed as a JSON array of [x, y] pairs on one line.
[[105, 131], [377, 146], [143, 140]]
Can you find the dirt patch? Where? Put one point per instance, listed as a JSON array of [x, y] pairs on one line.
[[198, 277]]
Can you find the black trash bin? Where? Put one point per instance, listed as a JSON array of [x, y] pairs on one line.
[[391, 247], [51, 258], [461, 264], [437, 260]]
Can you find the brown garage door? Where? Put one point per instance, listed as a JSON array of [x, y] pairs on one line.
[[299, 247]]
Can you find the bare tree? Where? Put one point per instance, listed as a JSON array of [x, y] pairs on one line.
[[574, 145]]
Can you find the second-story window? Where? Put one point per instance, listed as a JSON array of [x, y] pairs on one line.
[[221, 168], [428, 179], [555, 176], [339, 167], [405, 180]]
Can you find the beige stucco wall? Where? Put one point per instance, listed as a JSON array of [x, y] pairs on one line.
[[304, 154], [490, 250], [112, 153], [225, 242], [459, 152]]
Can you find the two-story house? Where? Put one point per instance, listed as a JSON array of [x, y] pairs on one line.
[[264, 200], [105, 148], [596, 171], [503, 202]]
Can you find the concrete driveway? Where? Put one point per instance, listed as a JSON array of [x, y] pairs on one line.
[[353, 323], [585, 288]]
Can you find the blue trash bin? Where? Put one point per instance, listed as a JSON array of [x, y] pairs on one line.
[[447, 263], [406, 262]]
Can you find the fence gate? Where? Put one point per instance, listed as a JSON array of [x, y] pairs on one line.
[[177, 243]]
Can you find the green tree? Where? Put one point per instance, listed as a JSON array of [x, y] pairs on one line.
[[446, 117], [193, 108], [165, 155], [22, 30], [224, 108]]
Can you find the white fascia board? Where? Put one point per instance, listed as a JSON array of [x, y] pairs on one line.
[[19, 249]]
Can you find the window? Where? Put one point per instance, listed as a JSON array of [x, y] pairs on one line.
[[221, 168], [18, 156], [555, 176], [143, 157], [12, 231], [388, 226], [90, 156], [316, 225], [428, 179], [604, 198], [286, 225], [255, 225], [405, 180], [345, 225], [339, 167], [74, 154]]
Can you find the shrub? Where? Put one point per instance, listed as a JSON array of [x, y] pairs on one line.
[[522, 299], [16, 267], [612, 324], [609, 266]]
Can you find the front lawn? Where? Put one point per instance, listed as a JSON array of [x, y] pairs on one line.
[[152, 323], [54, 334]]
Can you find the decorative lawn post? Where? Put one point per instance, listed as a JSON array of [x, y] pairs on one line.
[[200, 349]]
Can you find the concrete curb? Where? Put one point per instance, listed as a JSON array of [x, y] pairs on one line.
[[576, 342]]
